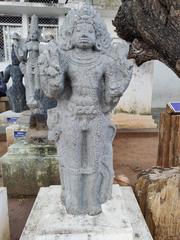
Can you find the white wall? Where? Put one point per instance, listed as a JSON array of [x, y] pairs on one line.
[[166, 86]]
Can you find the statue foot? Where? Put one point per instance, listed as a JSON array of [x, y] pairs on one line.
[[63, 198], [74, 210], [94, 211]]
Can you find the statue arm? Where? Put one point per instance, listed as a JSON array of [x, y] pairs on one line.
[[52, 71], [117, 79], [22, 51]]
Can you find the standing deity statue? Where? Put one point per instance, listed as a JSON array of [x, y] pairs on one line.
[[34, 95], [32, 81], [16, 93], [87, 78]]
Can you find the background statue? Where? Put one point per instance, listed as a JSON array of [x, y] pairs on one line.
[[37, 102], [34, 95], [87, 79], [3, 87], [16, 93], [31, 72]]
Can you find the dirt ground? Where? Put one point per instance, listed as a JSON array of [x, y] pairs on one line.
[[133, 152]]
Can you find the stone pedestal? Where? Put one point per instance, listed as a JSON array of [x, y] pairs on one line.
[[4, 104], [4, 219], [27, 167], [121, 219]]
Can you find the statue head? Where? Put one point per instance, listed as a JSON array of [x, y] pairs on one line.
[[15, 38], [84, 28], [34, 33], [49, 37], [84, 36]]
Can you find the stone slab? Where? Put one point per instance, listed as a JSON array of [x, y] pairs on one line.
[[121, 219], [4, 218], [27, 167]]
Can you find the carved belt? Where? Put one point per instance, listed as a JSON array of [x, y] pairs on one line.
[[78, 171]]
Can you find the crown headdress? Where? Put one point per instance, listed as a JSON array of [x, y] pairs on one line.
[[86, 14]]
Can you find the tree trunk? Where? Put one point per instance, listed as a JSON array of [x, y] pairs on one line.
[[169, 139], [153, 29], [157, 191]]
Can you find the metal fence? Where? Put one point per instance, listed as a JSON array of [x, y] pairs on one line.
[[9, 25]]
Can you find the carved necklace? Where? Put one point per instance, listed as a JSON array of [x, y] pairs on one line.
[[84, 60]]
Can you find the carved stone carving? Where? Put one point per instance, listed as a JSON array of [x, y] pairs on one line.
[[16, 92], [32, 81], [87, 76], [34, 95]]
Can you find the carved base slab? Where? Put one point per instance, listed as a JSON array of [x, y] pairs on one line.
[[121, 219]]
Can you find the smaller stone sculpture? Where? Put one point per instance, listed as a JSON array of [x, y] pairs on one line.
[[16, 92], [3, 87], [36, 100], [31, 72]]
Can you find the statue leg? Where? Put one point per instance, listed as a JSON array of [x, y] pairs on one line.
[[94, 154], [30, 91], [99, 184], [70, 162]]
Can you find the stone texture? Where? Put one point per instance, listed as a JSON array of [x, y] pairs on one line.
[[27, 167], [87, 76], [120, 219], [4, 218]]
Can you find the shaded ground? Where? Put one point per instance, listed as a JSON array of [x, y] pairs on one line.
[[133, 152], [19, 210]]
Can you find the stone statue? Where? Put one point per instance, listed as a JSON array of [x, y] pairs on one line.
[[16, 93], [34, 95], [3, 87], [31, 72], [87, 78]]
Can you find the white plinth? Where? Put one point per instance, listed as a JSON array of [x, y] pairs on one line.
[[48, 219], [4, 219]]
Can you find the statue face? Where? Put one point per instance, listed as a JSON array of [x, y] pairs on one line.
[[15, 42], [34, 36], [84, 36]]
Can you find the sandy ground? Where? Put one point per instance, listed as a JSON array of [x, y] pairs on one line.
[[133, 152]]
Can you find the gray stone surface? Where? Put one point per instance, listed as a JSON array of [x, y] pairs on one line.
[[16, 92], [87, 76], [27, 167]]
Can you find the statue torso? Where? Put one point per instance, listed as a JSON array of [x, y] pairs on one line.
[[33, 54], [86, 76]]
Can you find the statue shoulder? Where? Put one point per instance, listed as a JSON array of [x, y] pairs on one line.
[[116, 59]]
